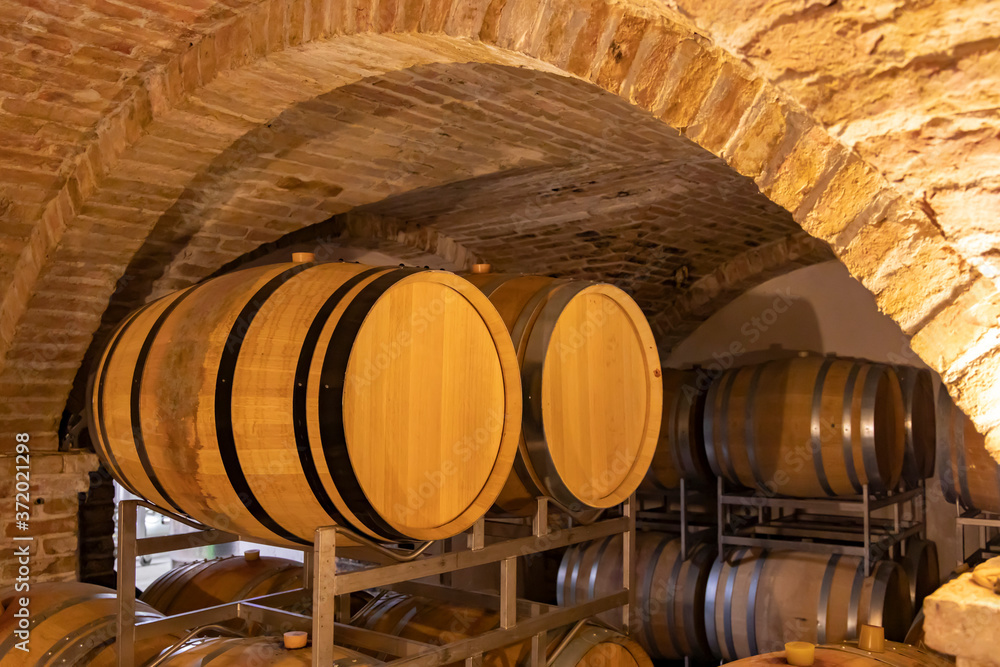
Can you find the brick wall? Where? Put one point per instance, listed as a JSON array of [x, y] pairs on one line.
[[56, 482]]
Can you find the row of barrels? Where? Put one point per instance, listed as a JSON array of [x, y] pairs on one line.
[[589, 646], [400, 403], [749, 601], [700, 606], [819, 426], [803, 427], [75, 624]]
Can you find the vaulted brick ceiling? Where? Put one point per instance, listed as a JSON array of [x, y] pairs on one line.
[[147, 143]]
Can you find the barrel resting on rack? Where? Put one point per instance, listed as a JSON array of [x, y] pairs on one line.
[[968, 473], [272, 401], [757, 600], [849, 655], [256, 651], [438, 623], [919, 422], [211, 582], [806, 427], [590, 373], [680, 450], [670, 590], [71, 624]]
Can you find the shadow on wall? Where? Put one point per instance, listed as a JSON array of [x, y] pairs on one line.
[[762, 327]]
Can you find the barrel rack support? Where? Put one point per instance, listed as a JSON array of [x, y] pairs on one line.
[[983, 521], [329, 590], [824, 521], [673, 512]]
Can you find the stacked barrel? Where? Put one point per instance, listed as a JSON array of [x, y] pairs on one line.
[[69, 624], [670, 589], [212, 582], [439, 622], [591, 386], [758, 600], [400, 404], [275, 400], [807, 427], [969, 475], [803, 427]]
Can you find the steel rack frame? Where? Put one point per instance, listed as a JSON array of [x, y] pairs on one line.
[[674, 512], [974, 518], [828, 525], [330, 590]]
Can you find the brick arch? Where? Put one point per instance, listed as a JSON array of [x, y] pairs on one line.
[[638, 51]]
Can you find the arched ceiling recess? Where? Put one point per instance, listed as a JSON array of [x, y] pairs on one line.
[[217, 73]]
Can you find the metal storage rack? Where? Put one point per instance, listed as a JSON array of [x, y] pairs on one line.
[[395, 569], [989, 547], [825, 525], [671, 510]]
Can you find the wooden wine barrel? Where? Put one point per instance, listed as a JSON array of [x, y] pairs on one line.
[[680, 450], [70, 624], [274, 400], [758, 600], [256, 652], [922, 570], [437, 622], [213, 582], [590, 374], [919, 423], [601, 647], [968, 473], [849, 655], [806, 427], [670, 591]]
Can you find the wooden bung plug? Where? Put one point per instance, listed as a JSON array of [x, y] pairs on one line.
[[800, 654], [251, 554], [303, 257], [481, 268], [295, 639], [872, 638]]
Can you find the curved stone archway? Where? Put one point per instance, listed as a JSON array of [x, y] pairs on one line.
[[92, 214]]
